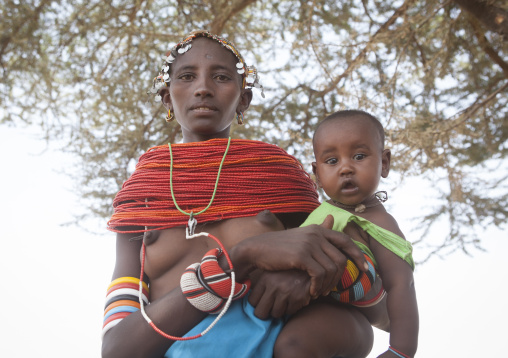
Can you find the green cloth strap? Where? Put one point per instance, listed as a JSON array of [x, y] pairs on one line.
[[396, 244]]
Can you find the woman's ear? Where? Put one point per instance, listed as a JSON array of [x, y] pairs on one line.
[[165, 97], [245, 99], [386, 157]]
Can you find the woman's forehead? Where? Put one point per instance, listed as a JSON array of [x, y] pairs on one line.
[[204, 51]]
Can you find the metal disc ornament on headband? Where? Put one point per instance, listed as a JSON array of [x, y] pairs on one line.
[[249, 73]]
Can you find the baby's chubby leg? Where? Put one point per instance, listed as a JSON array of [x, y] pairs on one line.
[[325, 329]]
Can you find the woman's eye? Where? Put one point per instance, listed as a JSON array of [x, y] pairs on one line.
[[331, 161], [186, 77], [359, 156], [222, 78]]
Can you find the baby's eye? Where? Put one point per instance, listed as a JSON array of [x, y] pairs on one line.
[[359, 156], [331, 161]]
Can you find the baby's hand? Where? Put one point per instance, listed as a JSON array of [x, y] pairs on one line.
[[279, 293]]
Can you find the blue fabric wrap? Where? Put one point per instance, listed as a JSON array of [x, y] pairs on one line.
[[238, 334]]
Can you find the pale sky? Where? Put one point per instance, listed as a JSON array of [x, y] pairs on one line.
[[56, 276]]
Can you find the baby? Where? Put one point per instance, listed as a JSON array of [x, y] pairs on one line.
[[350, 160]]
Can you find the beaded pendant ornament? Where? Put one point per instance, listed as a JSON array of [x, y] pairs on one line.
[[248, 73]]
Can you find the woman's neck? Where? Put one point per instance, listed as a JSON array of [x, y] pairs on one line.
[[195, 137]]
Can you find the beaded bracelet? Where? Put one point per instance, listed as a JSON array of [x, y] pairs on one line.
[[122, 300], [207, 287], [397, 353], [226, 304], [215, 280], [197, 294]]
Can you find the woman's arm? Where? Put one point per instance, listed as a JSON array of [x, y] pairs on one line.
[[172, 313], [279, 293], [313, 249]]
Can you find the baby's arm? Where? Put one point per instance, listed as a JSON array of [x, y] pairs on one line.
[[402, 308]]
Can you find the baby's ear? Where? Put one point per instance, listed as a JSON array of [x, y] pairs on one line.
[[385, 162], [314, 171]]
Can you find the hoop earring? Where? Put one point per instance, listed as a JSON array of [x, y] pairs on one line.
[[239, 118], [170, 116]]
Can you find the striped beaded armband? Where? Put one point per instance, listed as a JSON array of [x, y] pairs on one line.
[[197, 294], [214, 279], [207, 287], [122, 299], [354, 284]]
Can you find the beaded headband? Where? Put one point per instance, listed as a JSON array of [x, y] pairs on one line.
[[249, 74]]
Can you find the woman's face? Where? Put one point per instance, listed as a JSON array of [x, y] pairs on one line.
[[205, 91]]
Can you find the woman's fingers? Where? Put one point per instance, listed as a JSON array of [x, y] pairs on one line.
[[343, 242], [332, 257], [279, 293], [347, 248], [315, 249], [327, 273], [327, 222], [256, 293], [263, 304], [279, 307]]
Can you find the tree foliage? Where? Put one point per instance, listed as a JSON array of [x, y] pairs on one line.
[[435, 72]]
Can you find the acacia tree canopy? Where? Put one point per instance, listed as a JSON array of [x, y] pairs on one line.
[[435, 72]]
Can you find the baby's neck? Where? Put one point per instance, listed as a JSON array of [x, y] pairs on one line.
[[374, 200]]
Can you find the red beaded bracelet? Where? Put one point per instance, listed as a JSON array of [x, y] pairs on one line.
[[397, 353]]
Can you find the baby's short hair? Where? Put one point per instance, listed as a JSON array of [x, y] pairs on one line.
[[348, 113]]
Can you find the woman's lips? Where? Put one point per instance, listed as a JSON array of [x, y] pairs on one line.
[[203, 109]]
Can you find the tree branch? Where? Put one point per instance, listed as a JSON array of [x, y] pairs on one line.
[[373, 40], [226, 13], [484, 43], [492, 17], [5, 39], [468, 112]]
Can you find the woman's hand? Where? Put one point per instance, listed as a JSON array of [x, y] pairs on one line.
[[315, 249], [279, 293]]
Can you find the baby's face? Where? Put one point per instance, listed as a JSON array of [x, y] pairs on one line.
[[349, 159]]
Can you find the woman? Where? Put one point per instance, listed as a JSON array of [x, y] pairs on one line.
[[204, 85]]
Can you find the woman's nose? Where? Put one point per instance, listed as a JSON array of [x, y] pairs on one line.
[[203, 87]]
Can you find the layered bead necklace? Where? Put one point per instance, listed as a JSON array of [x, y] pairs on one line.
[[189, 234]]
